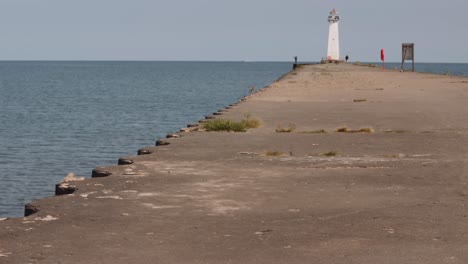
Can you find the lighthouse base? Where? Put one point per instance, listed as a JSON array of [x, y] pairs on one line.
[[326, 61]]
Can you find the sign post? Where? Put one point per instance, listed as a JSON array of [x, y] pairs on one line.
[[382, 57], [407, 54]]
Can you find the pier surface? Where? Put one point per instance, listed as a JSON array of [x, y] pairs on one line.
[[396, 192]]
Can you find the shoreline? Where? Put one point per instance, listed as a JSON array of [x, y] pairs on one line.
[[311, 194]]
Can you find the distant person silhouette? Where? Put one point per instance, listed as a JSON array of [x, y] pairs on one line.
[[347, 58], [295, 59]]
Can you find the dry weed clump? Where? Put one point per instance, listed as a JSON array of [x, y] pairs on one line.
[[330, 154], [318, 131], [275, 153], [290, 128], [360, 100], [360, 130]]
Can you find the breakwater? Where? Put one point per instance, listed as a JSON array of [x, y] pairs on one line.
[[350, 165]]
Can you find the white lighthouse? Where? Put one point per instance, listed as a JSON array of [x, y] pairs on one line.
[[333, 53]]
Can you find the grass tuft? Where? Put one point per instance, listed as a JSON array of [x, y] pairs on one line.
[[318, 131], [229, 125], [330, 154], [290, 128], [360, 100], [224, 125], [274, 153], [361, 130], [343, 130], [366, 130], [250, 122]]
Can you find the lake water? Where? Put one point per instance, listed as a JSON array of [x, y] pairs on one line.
[[459, 69], [61, 117]]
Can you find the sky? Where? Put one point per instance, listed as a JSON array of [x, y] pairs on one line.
[[230, 30]]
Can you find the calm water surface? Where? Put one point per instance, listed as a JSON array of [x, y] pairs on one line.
[[61, 117], [459, 69]]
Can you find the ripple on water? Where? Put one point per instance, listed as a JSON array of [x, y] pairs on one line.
[[61, 117]]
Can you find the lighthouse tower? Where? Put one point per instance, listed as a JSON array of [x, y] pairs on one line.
[[333, 53]]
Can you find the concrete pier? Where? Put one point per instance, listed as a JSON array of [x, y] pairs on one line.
[[391, 187]]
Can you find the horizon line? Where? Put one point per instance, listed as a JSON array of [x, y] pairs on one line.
[[244, 61]]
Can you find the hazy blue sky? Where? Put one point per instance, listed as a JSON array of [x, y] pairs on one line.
[[229, 29]]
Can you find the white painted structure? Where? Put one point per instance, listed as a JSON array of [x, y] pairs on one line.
[[333, 53]]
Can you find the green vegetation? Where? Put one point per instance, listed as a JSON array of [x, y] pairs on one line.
[[360, 100], [224, 125], [330, 154], [229, 125]]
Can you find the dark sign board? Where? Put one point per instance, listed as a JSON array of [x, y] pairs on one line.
[[407, 52]]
